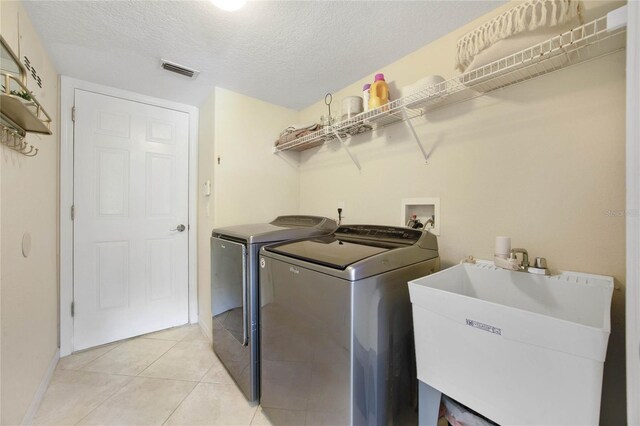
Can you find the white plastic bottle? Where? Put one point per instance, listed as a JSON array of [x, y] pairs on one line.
[[365, 96]]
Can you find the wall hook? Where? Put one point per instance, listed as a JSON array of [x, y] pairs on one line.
[[20, 146], [31, 148], [32, 155], [16, 143], [13, 139]]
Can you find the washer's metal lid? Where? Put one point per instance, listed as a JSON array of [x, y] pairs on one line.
[[329, 251], [280, 229], [354, 252]]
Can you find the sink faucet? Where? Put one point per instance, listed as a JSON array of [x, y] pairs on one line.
[[525, 257]]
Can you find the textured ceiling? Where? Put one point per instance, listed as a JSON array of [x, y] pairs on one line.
[[285, 52]]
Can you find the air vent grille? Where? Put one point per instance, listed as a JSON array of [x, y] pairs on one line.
[[178, 69]]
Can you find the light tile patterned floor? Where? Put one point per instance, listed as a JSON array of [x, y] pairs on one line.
[[170, 377]]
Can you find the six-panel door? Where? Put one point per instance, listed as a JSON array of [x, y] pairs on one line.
[[130, 197]]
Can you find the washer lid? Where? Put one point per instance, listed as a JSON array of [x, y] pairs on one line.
[[357, 251], [330, 251]]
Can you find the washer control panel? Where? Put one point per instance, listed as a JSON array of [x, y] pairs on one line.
[[405, 235]]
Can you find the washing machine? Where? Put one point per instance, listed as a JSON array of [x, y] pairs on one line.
[[336, 325], [235, 290]]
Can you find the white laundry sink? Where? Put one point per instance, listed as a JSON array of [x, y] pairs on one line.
[[518, 348]]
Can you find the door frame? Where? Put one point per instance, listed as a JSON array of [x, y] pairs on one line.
[[68, 87], [633, 214]]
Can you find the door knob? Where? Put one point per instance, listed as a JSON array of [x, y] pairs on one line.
[[179, 228]]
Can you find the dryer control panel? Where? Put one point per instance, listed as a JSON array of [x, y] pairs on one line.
[[299, 220]]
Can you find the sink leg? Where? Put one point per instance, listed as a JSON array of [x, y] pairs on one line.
[[428, 404]]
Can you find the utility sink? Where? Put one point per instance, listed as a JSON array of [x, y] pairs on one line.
[[516, 347]]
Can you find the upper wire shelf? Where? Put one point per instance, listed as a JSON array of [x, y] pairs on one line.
[[581, 44]]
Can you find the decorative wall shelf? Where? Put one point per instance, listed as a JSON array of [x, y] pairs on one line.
[[20, 111], [584, 43], [28, 115]]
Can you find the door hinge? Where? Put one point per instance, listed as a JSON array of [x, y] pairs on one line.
[[73, 212], [73, 113], [73, 308]]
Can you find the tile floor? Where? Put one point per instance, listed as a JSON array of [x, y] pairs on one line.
[[170, 377]]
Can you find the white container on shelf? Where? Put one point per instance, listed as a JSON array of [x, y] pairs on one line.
[[417, 95], [351, 106], [366, 94], [518, 348]]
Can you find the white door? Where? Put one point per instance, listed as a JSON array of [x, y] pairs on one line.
[[131, 212]]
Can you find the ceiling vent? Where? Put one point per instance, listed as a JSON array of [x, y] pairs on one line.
[[178, 69]]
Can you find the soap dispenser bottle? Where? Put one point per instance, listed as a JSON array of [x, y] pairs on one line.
[[379, 92]]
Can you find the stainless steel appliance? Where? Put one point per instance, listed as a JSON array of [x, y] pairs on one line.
[[235, 290], [336, 325]]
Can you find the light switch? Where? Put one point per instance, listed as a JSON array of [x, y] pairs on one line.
[[207, 187]]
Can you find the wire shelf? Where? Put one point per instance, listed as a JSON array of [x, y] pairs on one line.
[[584, 43]]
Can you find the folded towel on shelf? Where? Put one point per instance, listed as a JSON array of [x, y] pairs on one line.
[[297, 127], [530, 16], [296, 131]]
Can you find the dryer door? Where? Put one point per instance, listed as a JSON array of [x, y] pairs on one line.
[[229, 288]]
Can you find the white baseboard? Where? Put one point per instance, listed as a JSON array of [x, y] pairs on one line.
[[39, 395], [206, 330]]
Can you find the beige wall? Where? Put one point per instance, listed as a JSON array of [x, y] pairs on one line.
[[29, 193], [205, 208], [542, 162], [250, 185]]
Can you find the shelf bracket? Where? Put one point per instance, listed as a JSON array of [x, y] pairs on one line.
[[415, 135], [344, 145]]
